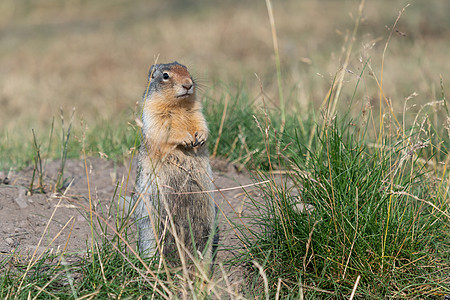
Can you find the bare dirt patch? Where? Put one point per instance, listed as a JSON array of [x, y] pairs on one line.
[[54, 222]]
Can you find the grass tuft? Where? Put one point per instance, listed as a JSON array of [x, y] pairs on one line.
[[366, 216]]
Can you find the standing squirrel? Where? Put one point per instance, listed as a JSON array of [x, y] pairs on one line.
[[174, 182]]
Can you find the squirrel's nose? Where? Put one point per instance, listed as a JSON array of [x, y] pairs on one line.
[[187, 84]]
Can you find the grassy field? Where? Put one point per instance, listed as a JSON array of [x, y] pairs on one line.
[[350, 105]]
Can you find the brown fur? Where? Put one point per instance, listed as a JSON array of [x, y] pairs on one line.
[[174, 172]]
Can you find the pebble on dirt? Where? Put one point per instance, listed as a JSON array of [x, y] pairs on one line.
[[20, 200]]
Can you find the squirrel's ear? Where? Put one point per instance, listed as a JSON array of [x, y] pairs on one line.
[[151, 73]]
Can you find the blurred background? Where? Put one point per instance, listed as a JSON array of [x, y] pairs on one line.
[[94, 55]]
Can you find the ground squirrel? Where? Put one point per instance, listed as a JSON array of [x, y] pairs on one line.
[[174, 180]]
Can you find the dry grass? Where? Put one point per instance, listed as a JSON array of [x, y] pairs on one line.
[[94, 55]]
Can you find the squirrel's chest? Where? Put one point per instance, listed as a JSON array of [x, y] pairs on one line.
[[175, 122]]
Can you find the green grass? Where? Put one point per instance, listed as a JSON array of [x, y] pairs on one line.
[[242, 139], [375, 216], [104, 273], [113, 138]]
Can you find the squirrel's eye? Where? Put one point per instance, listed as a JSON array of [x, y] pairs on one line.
[[165, 76]]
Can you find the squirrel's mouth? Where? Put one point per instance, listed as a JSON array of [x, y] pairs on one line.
[[185, 95]]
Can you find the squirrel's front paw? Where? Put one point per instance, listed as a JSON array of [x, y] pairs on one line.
[[188, 141], [200, 138]]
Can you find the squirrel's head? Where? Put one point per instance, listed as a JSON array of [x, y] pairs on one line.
[[171, 81]]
